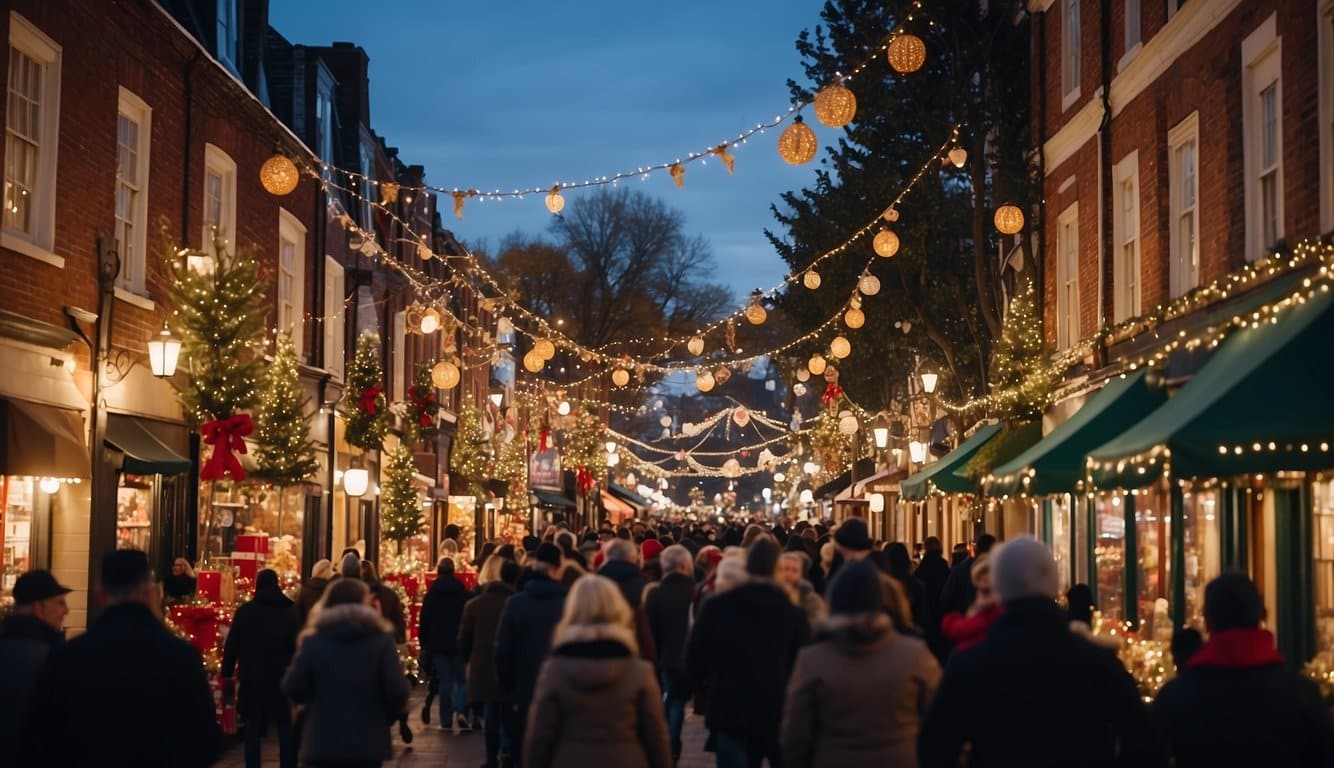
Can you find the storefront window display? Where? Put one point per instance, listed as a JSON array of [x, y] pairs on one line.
[[1109, 556], [1322, 504], [16, 546], [1154, 561], [134, 513], [1058, 534], [462, 511], [259, 524], [1203, 541]]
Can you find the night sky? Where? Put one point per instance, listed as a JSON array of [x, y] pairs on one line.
[[523, 94]]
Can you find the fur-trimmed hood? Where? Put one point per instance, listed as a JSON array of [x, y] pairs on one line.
[[347, 622], [594, 633], [855, 632], [592, 657]]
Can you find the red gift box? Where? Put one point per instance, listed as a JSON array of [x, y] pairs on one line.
[[409, 583], [210, 585], [200, 623], [257, 543]]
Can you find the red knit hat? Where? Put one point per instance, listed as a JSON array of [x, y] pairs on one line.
[[650, 549]]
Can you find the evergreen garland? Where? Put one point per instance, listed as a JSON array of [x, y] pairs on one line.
[[1021, 380], [285, 453], [584, 443], [400, 507], [470, 455], [364, 404], [220, 319], [423, 407], [512, 467]]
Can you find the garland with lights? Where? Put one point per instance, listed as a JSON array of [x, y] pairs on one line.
[[284, 451], [512, 468], [584, 449], [423, 408], [364, 406], [400, 506]]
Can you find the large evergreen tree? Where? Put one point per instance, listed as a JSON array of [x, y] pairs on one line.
[[400, 507], [285, 453], [364, 403], [219, 316], [1021, 378], [939, 295]]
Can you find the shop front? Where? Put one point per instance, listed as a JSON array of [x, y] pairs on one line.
[[936, 498], [152, 487]]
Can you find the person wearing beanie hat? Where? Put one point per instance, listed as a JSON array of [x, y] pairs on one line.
[[649, 551], [1032, 669], [858, 693], [1236, 702], [853, 540], [740, 653]]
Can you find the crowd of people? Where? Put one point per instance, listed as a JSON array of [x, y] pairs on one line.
[[808, 646]]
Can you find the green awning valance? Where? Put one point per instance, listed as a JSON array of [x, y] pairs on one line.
[[550, 499], [1012, 441], [940, 475], [629, 496], [1056, 463], [144, 453], [1261, 404]]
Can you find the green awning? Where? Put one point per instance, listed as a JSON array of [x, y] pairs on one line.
[[1012, 441], [1056, 463], [144, 453], [1261, 404], [629, 496], [550, 499], [940, 475]]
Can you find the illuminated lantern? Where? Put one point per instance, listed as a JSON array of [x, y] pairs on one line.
[[445, 374], [854, 318], [755, 313], [695, 346], [533, 362], [869, 284], [704, 381], [886, 243], [620, 377], [555, 201], [430, 320], [803, 374], [278, 175], [816, 364], [798, 145], [1009, 219], [840, 347], [907, 53], [811, 279], [544, 349], [835, 105]]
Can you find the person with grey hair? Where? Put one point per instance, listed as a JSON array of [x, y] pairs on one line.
[[667, 606], [1032, 669], [792, 570], [622, 567]]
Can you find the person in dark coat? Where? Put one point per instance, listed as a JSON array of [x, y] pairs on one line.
[[312, 590], [438, 632], [27, 636], [477, 646], [182, 583], [347, 676], [622, 567], [895, 563], [957, 594], [667, 607], [741, 652], [262, 640], [523, 638], [1032, 669], [1236, 703], [933, 572], [127, 673]]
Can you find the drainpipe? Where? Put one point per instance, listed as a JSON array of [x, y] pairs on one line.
[[1104, 169], [102, 518]]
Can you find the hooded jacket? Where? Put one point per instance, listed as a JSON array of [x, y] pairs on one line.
[[524, 636], [262, 639], [477, 640], [596, 704], [441, 614], [347, 674], [857, 696]]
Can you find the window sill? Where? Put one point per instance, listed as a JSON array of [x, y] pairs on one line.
[[1070, 99], [134, 299], [1128, 57], [31, 250]]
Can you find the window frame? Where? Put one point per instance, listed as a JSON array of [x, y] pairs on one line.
[[228, 31], [1134, 32], [335, 317], [1067, 305], [38, 244], [1180, 267], [218, 162], [133, 275], [1071, 52], [290, 229], [1262, 56], [367, 161], [1126, 299]]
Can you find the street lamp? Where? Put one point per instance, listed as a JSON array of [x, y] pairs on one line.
[[929, 380], [880, 431], [497, 398], [877, 501], [917, 452], [163, 353], [355, 481]]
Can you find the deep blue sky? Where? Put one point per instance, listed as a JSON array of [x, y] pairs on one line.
[[519, 94]]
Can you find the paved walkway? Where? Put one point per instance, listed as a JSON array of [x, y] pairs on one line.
[[442, 749]]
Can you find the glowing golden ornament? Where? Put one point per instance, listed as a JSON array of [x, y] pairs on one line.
[[544, 349], [620, 377], [695, 346], [854, 317], [755, 313], [533, 362], [817, 364], [958, 156], [278, 175], [869, 284], [797, 145], [886, 243], [907, 53], [891, 214], [811, 279], [721, 375], [835, 105], [445, 374], [803, 374], [1009, 219], [430, 320], [704, 381], [555, 201], [840, 347]]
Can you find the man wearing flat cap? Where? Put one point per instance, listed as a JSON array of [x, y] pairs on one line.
[[30, 632]]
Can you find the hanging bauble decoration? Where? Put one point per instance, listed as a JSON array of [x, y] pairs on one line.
[[755, 313], [704, 381], [721, 375], [886, 243], [811, 279], [803, 374], [1009, 219], [816, 364], [620, 377], [891, 214], [840, 347], [544, 349], [847, 423], [798, 145], [279, 175], [430, 320], [958, 156], [533, 362], [695, 346], [907, 53], [731, 468], [445, 374], [835, 105], [741, 416], [555, 200], [854, 318], [868, 284]]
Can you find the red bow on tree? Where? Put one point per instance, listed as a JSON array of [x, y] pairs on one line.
[[227, 436], [368, 396], [831, 395], [543, 436], [585, 480]]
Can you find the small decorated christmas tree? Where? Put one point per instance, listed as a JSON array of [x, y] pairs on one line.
[[400, 508], [512, 468], [423, 408], [471, 452], [285, 453], [1021, 380], [364, 405]]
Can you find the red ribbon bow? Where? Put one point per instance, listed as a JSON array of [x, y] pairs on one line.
[[585, 480], [543, 436], [227, 436], [831, 395], [368, 396]]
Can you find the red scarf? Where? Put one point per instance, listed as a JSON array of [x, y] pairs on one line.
[[1237, 649]]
